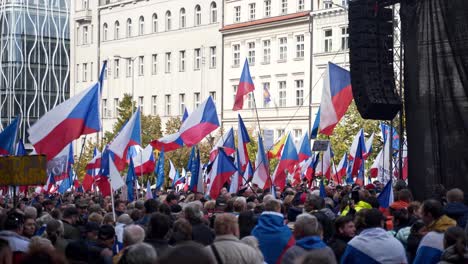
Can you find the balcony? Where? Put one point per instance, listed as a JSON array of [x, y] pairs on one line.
[[83, 15]]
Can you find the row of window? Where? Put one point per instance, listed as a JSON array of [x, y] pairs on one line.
[[155, 25], [84, 72], [113, 113], [266, 9]]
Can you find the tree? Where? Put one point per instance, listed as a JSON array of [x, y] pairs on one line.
[[150, 128]]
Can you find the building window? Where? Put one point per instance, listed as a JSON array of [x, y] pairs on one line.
[[104, 32], [266, 94], [129, 28], [129, 67], [266, 51], [168, 105], [299, 92], [182, 19], [85, 35], [213, 12], [280, 133], [328, 40], [140, 103], [115, 110], [344, 38], [168, 20], [344, 3], [141, 28], [237, 14], [141, 65], [234, 89], [213, 95], [168, 62], [91, 71], [251, 53], [116, 30], [105, 109], [250, 101], [283, 49], [297, 134], [84, 4], [85, 72], [300, 46], [105, 70], [197, 59], [327, 4], [236, 55], [300, 5], [154, 64], [77, 73], [252, 11], [196, 97], [267, 4], [212, 57], [181, 104], [154, 104], [182, 60], [155, 23], [284, 7], [197, 15], [116, 68], [282, 93]]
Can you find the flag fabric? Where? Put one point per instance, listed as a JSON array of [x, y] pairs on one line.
[[192, 157], [221, 170], [242, 140], [8, 137], [200, 123], [248, 173], [159, 171], [315, 126], [386, 131], [326, 164], [266, 95], [369, 146], [341, 169], [374, 170], [304, 149], [246, 86], [358, 154], [360, 176], [194, 168], [275, 151], [95, 162], [323, 193], [172, 171], [116, 180], [20, 149], [185, 115], [336, 97], [149, 194], [261, 175], [129, 135], [50, 183], [236, 179], [287, 162], [101, 74], [132, 152], [65, 185], [385, 198], [130, 181], [176, 178], [77, 116], [169, 143], [226, 142], [381, 166], [144, 161]]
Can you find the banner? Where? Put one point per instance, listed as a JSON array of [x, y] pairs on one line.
[[23, 170]]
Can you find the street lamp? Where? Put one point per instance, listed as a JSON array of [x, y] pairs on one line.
[[132, 59]]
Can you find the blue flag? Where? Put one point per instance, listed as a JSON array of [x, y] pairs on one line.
[[195, 171], [65, 185], [323, 193], [159, 170], [130, 180], [385, 198], [315, 127], [395, 137], [20, 149]]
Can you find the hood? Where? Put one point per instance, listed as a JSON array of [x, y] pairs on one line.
[[311, 242], [456, 209], [271, 222], [442, 224]]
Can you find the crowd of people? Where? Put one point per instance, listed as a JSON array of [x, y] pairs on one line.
[[295, 225]]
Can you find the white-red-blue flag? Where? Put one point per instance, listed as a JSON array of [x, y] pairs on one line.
[[287, 162], [342, 166], [8, 137], [144, 161], [304, 148], [168, 143], [221, 170], [66, 122], [369, 146], [200, 123], [261, 175], [385, 198], [226, 142], [129, 135], [357, 154], [242, 140], [246, 86], [336, 97]]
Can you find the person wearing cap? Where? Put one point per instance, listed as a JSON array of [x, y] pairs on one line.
[[374, 244]]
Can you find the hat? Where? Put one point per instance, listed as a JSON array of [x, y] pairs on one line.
[[82, 204], [370, 186], [106, 232], [92, 227]]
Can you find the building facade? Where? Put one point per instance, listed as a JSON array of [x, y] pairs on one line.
[[167, 54], [34, 59]]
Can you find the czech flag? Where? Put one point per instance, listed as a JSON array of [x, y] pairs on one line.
[[315, 126], [246, 86], [261, 175], [20, 149], [369, 146], [144, 161], [336, 97], [287, 162], [226, 142], [185, 115], [169, 143], [242, 140], [385, 198], [129, 135], [8, 137], [341, 170], [304, 149], [200, 123], [221, 171], [358, 153], [69, 120]]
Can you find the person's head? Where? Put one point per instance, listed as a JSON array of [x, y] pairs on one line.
[[171, 199], [96, 218], [158, 226], [70, 214], [318, 256], [456, 237], [165, 209], [344, 226], [455, 196], [226, 224], [273, 205], [405, 195], [374, 218], [246, 222], [108, 219], [30, 212], [151, 206], [189, 252], [431, 210], [192, 213], [92, 231], [182, 231], [106, 235], [124, 219], [133, 234], [240, 204], [29, 227], [54, 230], [14, 222], [140, 253], [48, 205], [314, 202], [306, 225], [120, 206]]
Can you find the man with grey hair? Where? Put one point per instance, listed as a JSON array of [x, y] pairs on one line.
[[308, 234], [132, 234], [201, 232], [140, 253]]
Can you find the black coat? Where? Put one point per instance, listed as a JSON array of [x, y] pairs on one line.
[[458, 212], [338, 244], [202, 234]]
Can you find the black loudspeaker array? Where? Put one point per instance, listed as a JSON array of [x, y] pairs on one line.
[[371, 58]]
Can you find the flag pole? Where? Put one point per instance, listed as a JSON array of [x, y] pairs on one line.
[[112, 201]]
